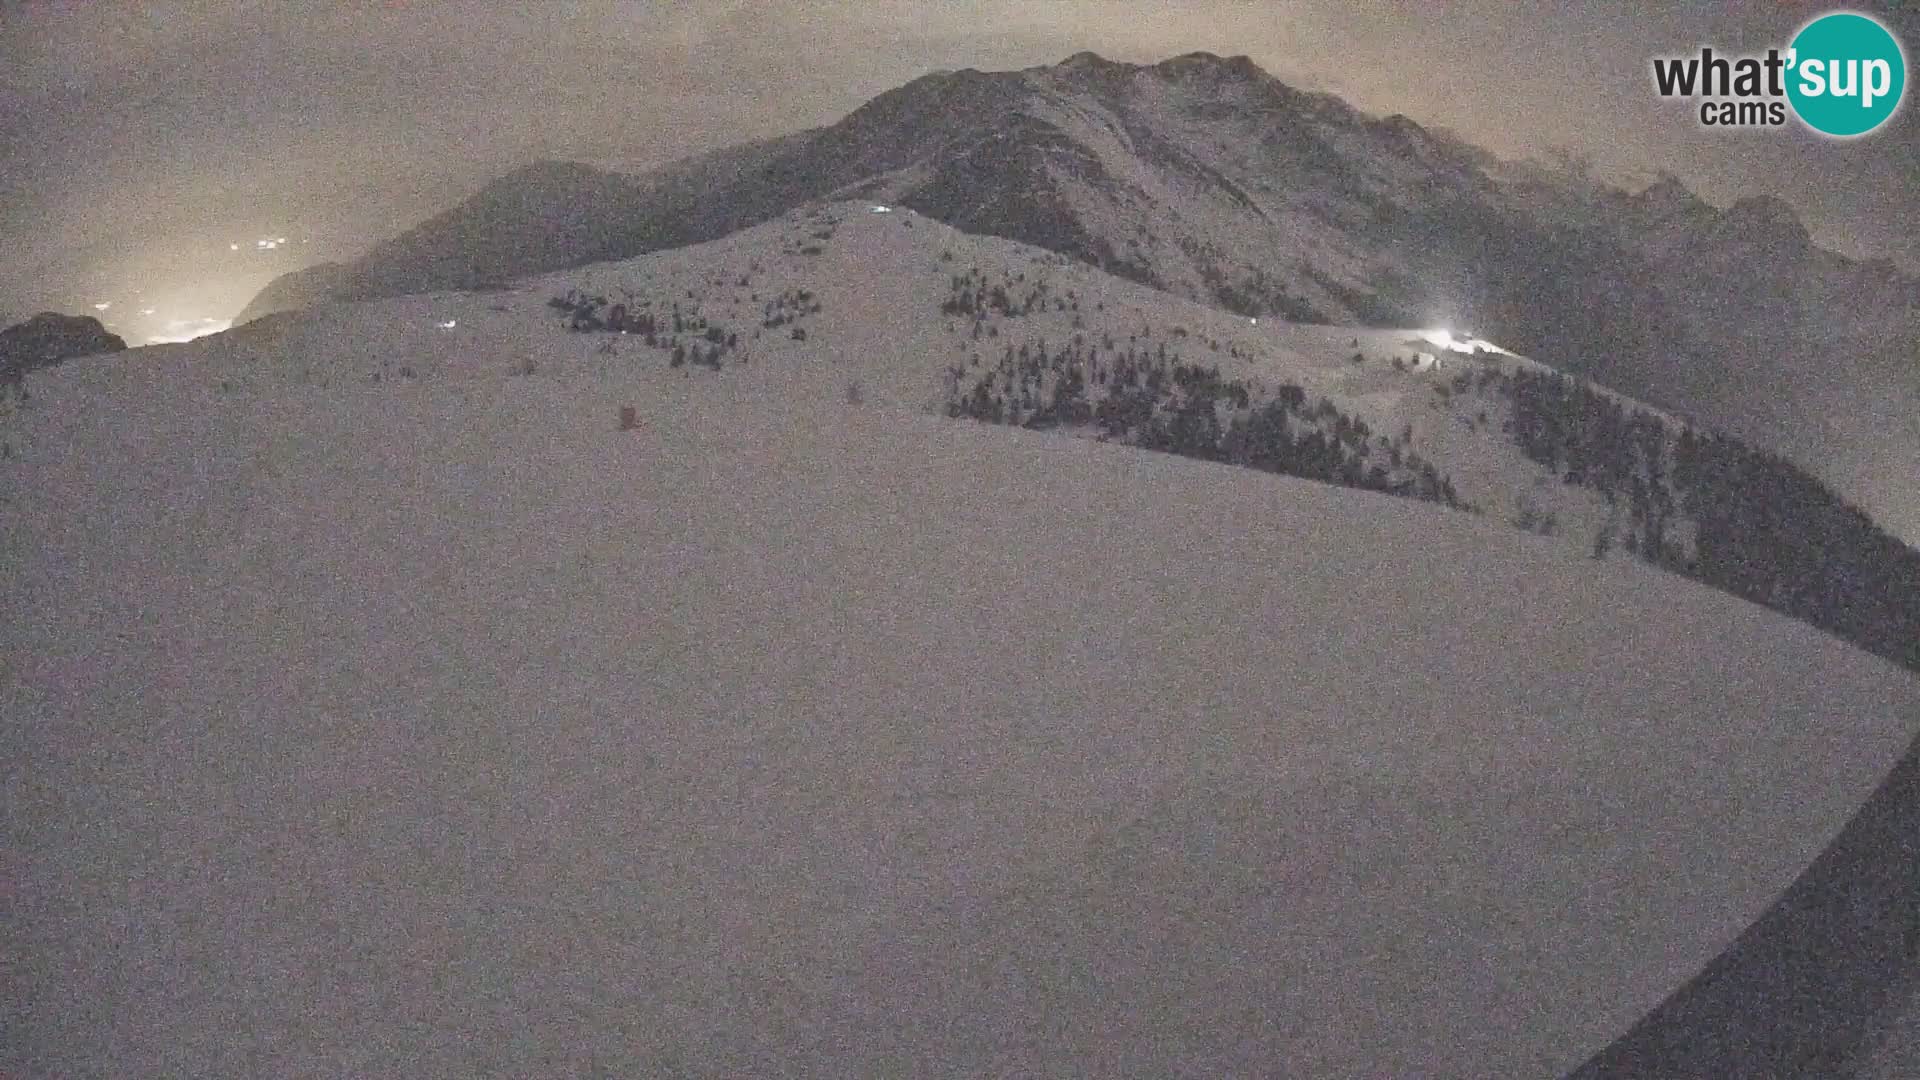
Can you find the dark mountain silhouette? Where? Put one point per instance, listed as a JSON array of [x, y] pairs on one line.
[[49, 338], [549, 215], [298, 289]]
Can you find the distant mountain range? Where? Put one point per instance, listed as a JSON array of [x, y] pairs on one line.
[[1210, 179]]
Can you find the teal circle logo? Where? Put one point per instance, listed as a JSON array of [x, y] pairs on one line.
[[1846, 75]]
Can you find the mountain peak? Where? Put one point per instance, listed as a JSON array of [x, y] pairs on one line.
[[1765, 216], [1087, 59], [1206, 63], [1404, 126], [1765, 209], [1668, 192], [549, 168], [1088, 68]]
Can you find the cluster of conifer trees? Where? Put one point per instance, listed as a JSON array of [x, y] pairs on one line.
[[1701, 505], [1157, 401], [1763, 528], [1592, 440], [686, 336], [1012, 296]]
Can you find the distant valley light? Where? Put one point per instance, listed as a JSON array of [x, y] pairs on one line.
[[267, 243], [179, 330]]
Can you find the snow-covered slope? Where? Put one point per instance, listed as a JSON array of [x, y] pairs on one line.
[[1897, 1057], [435, 726], [839, 293], [923, 316]]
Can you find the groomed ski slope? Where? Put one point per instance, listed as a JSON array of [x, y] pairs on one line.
[[437, 728]]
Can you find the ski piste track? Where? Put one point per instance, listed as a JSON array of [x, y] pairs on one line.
[[1810, 987]]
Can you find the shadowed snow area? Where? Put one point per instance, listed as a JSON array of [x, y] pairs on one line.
[[438, 728], [1898, 1056]]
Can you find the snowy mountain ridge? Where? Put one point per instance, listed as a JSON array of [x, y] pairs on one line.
[[927, 317], [375, 705], [1208, 178]]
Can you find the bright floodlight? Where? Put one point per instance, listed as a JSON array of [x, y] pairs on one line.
[[1444, 339], [103, 307]]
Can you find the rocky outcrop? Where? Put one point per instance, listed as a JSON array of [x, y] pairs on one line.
[[50, 338]]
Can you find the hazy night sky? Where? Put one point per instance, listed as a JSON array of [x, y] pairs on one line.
[[139, 141]]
